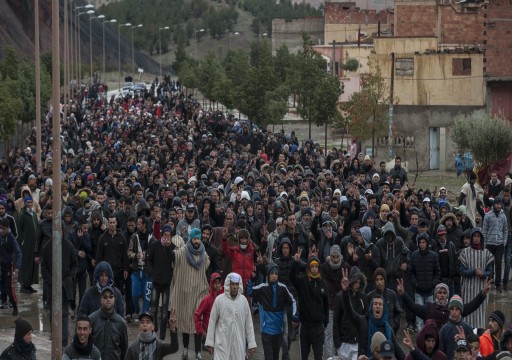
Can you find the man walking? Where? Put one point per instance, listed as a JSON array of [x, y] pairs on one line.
[[29, 271], [230, 329], [495, 232], [9, 249]]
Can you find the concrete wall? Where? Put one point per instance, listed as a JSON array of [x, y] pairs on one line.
[[289, 33], [434, 79], [415, 122]]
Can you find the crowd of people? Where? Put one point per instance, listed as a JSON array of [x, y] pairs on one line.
[[183, 219]]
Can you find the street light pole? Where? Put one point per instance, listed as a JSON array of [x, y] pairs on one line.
[[38, 86], [119, 50], [101, 17], [79, 41], [195, 43], [160, 45], [90, 46], [133, 56]]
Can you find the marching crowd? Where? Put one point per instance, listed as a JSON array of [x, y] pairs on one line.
[[179, 218]]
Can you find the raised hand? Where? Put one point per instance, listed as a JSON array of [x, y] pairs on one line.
[[297, 256], [312, 251], [408, 341], [400, 287], [487, 285], [460, 334], [259, 257], [344, 279]]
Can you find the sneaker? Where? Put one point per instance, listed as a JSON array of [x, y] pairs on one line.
[[46, 305], [128, 318], [14, 311], [4, 306], [72, 313], [184, 356], [136, 319], [498, 290], [31, 289], [199, 357], [25, 290]]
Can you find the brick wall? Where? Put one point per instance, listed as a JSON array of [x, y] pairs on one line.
[[415, 20], [498, 39], [348, 13]]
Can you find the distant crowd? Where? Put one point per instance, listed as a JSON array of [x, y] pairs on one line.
[[182, 219]]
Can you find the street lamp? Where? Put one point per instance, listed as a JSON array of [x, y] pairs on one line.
[[133, 56], [104, 65], [119, 50], [90, 44], [160, 45], [89, 12], [236, 33], [195, 43]]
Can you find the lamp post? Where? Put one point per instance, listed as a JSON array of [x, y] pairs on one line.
[[90, 45], [90, 12], [160, 45], [195, 43], [119, 50], [102, 17], [133, 55], [104, 62], [236, 33]]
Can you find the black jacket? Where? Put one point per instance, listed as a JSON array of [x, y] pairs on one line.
[[159, 264], [394, 308], [81, 243], [69, 267], [425, 271], [113, 249], [162, 349], [110, 334], [285, 266], [312, 295]]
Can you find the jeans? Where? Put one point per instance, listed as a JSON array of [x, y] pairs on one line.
[[497, 251], [312, 336], [163, 291], [271, 345], [508, 254], [421, 300], [140, 290], [329, 345]]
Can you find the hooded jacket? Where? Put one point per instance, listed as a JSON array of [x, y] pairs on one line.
[[332, 278], [453, 234], [202, 313], [285, 266], [274, 299], [343, 329], [242, 261], [424, 271], [392, 254], [91, 300], [429, 330], [313, 296]]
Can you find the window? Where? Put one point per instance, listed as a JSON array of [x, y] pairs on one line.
[[405, 67], [461, 67]]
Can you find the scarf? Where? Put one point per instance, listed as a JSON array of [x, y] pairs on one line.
[[381, 325], [332, 265], [23, 348], [82, 349], [147, 343], [190, 254], [110, 282]]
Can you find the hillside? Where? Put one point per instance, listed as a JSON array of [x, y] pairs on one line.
[[17, 29]]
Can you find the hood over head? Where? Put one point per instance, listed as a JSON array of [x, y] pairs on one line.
[[449, 215], [357, 275], [227, 282], [429, 330], [284, 240], [214, 277]]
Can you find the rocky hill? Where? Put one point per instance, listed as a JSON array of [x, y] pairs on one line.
[[17, 29]]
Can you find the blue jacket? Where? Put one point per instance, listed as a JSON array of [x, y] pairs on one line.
[[8, 247], [274, 301]]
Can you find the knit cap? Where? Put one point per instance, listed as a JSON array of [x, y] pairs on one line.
[[441, 230], [22, 328], [165, 228], [442, 286], [456, 301], [377, 339], [195, 233], [498, 316], [335, 250]]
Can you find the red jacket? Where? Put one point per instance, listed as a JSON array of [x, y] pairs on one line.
[[242, 261], [486, 343], [202, 313]]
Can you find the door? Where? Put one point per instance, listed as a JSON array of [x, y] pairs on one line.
[[434, 148]]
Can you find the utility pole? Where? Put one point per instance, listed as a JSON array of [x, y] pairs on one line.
[[390, 113], [56, 226], [38, 86]]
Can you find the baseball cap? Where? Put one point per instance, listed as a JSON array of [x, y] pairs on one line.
[[461, 344], [387, 349], [146, 314]]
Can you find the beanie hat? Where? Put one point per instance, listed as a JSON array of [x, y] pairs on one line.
[[195, 233], [384, 207], [441, 230], [442, 286], [335, 250], [377, 339], [165, 228], [22, 328], [456, 301], [504, 355], [498, 316], [381, 272], [272, 267]]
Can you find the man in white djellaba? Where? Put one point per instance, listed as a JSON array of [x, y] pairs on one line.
[[230, 330]]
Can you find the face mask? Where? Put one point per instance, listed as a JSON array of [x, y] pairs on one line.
[[243, 246]]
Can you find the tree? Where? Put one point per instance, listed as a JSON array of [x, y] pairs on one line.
[[10, 107], [367, 109], [488, 137]]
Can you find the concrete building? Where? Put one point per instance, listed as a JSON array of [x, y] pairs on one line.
[[289, 33]]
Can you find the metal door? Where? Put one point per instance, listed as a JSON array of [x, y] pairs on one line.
[[434, 148]]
